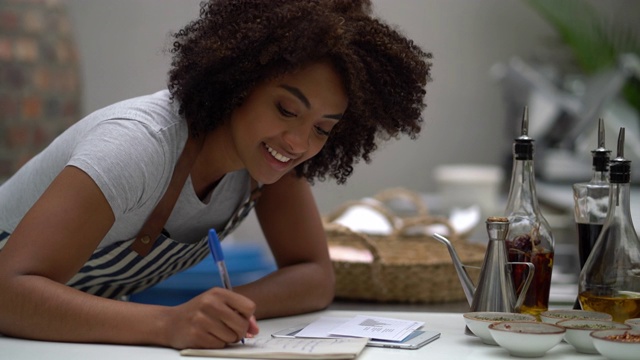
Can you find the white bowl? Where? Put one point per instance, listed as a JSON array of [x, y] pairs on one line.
[[526, 338], [578, 332], [634, 323], [478, 322], [616, 349], [553, 316]]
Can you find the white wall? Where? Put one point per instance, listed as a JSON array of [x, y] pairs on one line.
[[121, 48]]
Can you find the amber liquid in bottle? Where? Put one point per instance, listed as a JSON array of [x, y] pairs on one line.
[[537, 298], [620, 307], [530, 238]]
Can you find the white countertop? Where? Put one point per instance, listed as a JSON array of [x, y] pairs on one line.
[[453, 343]]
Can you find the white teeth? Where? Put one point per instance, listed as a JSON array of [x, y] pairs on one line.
[[277, 155]]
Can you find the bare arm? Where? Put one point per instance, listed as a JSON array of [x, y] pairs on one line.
[[291, 223], [52, 242]]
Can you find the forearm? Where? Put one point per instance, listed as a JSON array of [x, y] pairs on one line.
[[293, 228], [291, 290], [38, 308]]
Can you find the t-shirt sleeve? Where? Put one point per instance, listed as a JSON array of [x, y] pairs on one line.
[[128, 160]]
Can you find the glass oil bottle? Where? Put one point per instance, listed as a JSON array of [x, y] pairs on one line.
[[591, 201], [610, 279], [530, 238]]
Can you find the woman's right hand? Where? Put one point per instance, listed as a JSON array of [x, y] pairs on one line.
[[211, 320]]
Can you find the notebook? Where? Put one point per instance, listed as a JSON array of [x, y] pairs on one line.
[[287, 348]]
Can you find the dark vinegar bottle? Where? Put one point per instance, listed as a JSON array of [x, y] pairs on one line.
[[610, 279], [591, 201]]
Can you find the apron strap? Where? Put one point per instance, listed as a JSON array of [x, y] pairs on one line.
[[152, 228]]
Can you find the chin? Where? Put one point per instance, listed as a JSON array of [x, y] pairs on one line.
[[270, 177], [266, 179]]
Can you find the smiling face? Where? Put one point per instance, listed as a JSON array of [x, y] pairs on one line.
[[285, 121]]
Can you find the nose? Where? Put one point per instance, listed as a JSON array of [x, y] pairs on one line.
[[297, 139]]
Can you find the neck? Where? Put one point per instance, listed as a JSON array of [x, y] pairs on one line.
[[214, 161]]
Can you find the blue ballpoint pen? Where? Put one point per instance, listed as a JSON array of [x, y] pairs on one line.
[[218, 257]]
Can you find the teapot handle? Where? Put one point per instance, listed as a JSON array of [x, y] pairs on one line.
[[527, 282]]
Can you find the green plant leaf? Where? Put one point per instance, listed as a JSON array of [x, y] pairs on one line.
[[595, 43]]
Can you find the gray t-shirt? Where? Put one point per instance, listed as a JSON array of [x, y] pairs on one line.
[[129, 149]]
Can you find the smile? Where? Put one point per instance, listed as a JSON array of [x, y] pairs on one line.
[[277, 155]]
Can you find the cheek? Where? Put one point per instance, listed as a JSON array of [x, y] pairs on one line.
[[316, 147], [250, 125]]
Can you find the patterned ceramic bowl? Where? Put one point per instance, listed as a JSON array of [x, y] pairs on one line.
[[525, 338], [617, 344], [478, 322], [578, 332], [634, 323], [553, 316]]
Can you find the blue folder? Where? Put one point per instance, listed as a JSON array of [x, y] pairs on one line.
[[245, 263]]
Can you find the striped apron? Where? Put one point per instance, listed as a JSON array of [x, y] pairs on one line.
[[116, 271]]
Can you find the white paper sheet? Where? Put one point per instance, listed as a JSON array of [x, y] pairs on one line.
[[372, 327], [379, 328], [322, 327]]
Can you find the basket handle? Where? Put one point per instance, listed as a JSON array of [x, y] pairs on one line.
[[426, 221], [401, 193], [372, 204], [353, 237]]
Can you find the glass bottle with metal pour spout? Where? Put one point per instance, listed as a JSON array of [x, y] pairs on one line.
[[591, 201], [530, 238], [610, 279]]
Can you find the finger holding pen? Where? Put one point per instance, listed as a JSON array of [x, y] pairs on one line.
[[231, 315], [211, 320], [234, 312]]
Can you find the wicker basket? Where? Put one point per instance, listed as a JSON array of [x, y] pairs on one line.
[[405, 266]]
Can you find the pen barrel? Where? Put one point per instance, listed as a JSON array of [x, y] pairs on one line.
[[224, 275]]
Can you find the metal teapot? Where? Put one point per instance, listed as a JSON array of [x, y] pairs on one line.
[[495, 290]]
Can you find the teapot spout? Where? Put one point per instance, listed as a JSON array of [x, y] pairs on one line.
[[466, 282]]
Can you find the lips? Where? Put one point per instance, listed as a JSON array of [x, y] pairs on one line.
[[277, 155]]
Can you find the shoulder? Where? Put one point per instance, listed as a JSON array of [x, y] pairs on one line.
[[156, 111], [146, 126], [130, 148]]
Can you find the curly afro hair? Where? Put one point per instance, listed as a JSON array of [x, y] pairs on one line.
[[236, 44]]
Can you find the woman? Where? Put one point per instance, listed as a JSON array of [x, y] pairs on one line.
[[264, 97]]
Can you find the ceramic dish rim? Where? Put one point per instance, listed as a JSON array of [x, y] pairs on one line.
[[559, 329], [633, 331], [468, 315], [634, 321], [592, 330], [550, 314]]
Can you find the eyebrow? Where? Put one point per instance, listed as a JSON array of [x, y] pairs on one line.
[[297, 93]]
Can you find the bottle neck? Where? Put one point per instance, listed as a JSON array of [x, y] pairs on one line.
[[620, 205], [522, 191], [599, 177]]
